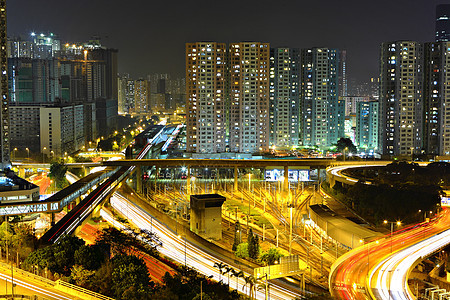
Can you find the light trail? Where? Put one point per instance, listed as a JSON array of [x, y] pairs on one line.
[[181, 250], [391, 275], [45, 290]]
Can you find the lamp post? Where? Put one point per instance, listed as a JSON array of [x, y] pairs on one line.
[[291, 206], [43, 157], [14, 153], [345, 149], [398, 223], [28, 153], [368, 254]]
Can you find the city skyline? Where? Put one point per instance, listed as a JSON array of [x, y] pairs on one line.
[[156, 29]]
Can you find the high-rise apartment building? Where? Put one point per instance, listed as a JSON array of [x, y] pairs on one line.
[[322, 110], [141, 97], [442, 23], [284, 97], [367, 125], [436, 95], [351, 103], [249, 97], [343, 84], [401, 106], [205, 97], [4, 112]]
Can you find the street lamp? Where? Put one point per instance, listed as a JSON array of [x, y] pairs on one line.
[[345, 149], [14, 153], [28, 153], [291, 206], [43, 150], [368, 254], [398, 223]]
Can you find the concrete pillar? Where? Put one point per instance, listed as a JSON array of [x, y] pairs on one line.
[[86, 170], [52, 218], [139, 179], [286, 179], [235, 178]]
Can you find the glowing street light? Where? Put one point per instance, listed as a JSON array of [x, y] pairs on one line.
[[28, 153], [398, 223], [43, 157]]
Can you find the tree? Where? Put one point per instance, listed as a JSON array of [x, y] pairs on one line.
[[82, 276], [242, 250], [271, 256], [90, 257], [227, 271], [128, 272], [345, 144], [221, 266], [64, 253], [237, 239], [237, 274], [253, 245], [251, 281], [58, 173]]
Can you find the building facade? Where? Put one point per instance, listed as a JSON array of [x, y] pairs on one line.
[[436, 96], [284, 98], [4, 105], [367, 119], [322, 110], [249, 97], [401, 107], [205, 97], [141, 97]]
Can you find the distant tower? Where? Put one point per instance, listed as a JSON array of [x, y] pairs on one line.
[[401, 106], [443, 23], [284, 97], [4, 113], [323, 113]]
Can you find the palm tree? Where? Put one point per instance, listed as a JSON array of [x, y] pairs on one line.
[[227, 271], [237, 275], [250, 280], [221, 266]]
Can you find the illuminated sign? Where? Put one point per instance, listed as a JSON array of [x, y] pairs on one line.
[[445, 201], [294, 175]]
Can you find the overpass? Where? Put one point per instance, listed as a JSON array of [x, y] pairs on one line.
[[315, 163]]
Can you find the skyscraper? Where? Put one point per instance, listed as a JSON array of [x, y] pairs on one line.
[[284, 97], [322, 111], [249, 97], [443, 23], [367, 125], [401, 107], [205, 97], [141, 97], [436, 95], [4, 112]]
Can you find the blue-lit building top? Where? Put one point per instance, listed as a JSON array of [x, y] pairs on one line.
[[367, 117], [443, 23]]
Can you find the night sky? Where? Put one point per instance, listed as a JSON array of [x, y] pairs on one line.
[[150, 35]]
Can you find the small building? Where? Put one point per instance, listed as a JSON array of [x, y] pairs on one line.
[[206, 215], [14, 189]]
